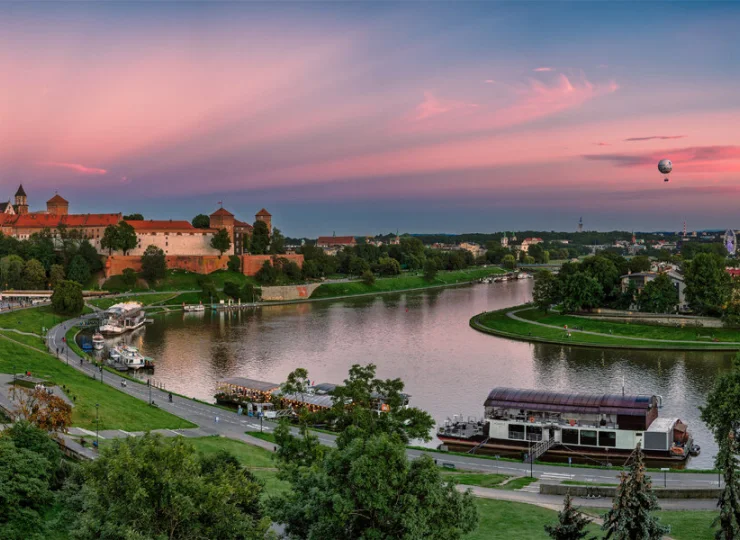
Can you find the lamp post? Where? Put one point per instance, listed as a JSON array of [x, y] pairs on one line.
[[149, 384], [665, 476], [97, 425]]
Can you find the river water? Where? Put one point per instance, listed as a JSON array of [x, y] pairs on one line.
[[424, 339]]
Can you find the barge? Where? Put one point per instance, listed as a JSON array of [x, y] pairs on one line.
[[580, 428], [122, 317]]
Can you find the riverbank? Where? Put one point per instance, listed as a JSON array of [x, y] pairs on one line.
[[526, 323]]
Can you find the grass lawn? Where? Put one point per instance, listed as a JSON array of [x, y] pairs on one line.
[[269, 437], [117, 410], [144, 299], [32, 341], [31, 319], [685, 524], [402, 282], [498, 322], [475, 479]]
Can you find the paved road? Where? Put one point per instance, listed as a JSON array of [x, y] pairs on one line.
[[233, 426]]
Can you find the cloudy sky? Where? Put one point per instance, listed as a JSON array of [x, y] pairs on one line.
[[365, 118]]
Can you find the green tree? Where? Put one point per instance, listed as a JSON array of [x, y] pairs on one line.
[[34, 275], [509, 262], [267, 275], [632, 513], [296, 383], [126, 237], [640, 263], [728, 520], [707, 284], [528, 260], [537, 252], [208, 292], [232, 289], [78, 270], [221, 241], [368, 278], [129, 277], [201, 221], [721, 411], [234, 264], [605, 268], [581, 291], [311, 270], [88, 252], [546, 289], [249, 293], [190, 496], [67, 298], [110, 240], [133, 217], [56, 274], [430, 269], [153, 264], [11, 272], [41, 248], [388, 266], [659, 296], [571, 523], [277, 242], [358, 266], [260, 238]]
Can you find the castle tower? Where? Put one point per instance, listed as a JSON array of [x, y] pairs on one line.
[[21, 201], [264, 215], [57, 205], [504, 240], [580, 224]]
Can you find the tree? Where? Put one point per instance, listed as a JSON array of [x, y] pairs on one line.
[[430, 269], [581, 291], [129, 277], [34, 275], [41, 248], [659, 296], [509, 262], [232, 289], [296, 383], [367, 488], [311, 270], [721, 412], [190, 496], [67, 298], [88, 252], [260, 238], [221, 241], [249, 293], [707, 283], [56, 274], [388, 267], [537, 252], [153, 264], [631, 515], [208, 292], [546, 289], [234, 264], [78, 270], [133, 217], [571, 523], [368, 278], [605, 268], [201, 221], [527, 259], [358, 266], [728, 520], [110, 240], [640, 263], [11, 272], [277, 242], [44, 410], [126, 237], [267, 275]]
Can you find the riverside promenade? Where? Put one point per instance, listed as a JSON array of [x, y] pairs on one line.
[[237, 427]]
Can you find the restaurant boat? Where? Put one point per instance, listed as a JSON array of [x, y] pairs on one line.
[[585, 428], [127, 357], [122, 317], [98, 341]]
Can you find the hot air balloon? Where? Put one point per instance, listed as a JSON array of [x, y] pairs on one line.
[[665, 167]]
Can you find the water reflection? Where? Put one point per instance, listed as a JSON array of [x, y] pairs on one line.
[[425, 339]]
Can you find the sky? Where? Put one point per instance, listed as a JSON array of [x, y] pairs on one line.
[[365, 118]]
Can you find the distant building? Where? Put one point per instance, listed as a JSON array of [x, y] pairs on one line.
[[504, 240], [238, 230], [529, 242], [91, 226], [580, 224], [173, 237], [336, 241], [640, 279], [473, 248]]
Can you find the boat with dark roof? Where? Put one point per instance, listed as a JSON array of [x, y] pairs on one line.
[[581, 428]]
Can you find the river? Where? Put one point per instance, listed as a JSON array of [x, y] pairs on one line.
[[424, 339]]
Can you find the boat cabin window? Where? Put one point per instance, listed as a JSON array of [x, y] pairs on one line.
[[588, 437], [607, 438], [534, 433], [570, 436], [516, 432]]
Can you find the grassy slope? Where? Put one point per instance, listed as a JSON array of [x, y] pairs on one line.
[[117, 410], [180, 280], [498, 321], [31, 320], [144, 299], [402, 282]]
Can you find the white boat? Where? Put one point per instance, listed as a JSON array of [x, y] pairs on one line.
[[130, 357], [122, 317], [98, 341], [193, 307]]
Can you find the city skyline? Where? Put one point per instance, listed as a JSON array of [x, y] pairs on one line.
[[365, 119]]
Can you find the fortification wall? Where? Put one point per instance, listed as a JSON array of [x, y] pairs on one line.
[[201, 264], [288, 292]]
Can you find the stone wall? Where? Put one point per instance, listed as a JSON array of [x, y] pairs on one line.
[[251, 264], [175, 242], [288, 292], [657, 319], [609, 492]]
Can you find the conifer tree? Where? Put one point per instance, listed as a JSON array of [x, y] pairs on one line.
[[631, 516], [728, 521], [571, 523]]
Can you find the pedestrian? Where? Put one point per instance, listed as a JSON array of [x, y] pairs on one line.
[[170, 397], [239, 410], [216, 419]]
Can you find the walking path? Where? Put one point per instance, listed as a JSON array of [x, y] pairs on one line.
[[513, 315]]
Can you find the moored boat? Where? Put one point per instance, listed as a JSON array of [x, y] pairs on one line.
[[130, 357], [122, 317], [193, 307], [584, 428], [98, 341]]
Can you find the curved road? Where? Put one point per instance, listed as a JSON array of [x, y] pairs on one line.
[[234, 426]]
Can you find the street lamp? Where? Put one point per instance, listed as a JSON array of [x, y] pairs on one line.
[[665, 475], [97, 425]]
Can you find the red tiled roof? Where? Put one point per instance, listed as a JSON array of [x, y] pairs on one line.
[[57, 199], [336, 240], [263, 212], [222, 212], [70, 220], [165, 225], [238, 223]]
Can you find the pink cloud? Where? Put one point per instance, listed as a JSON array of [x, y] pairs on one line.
[[655, 137], [432, 106], [489, 81], [541, 69], [602, 144], [76, 167]]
